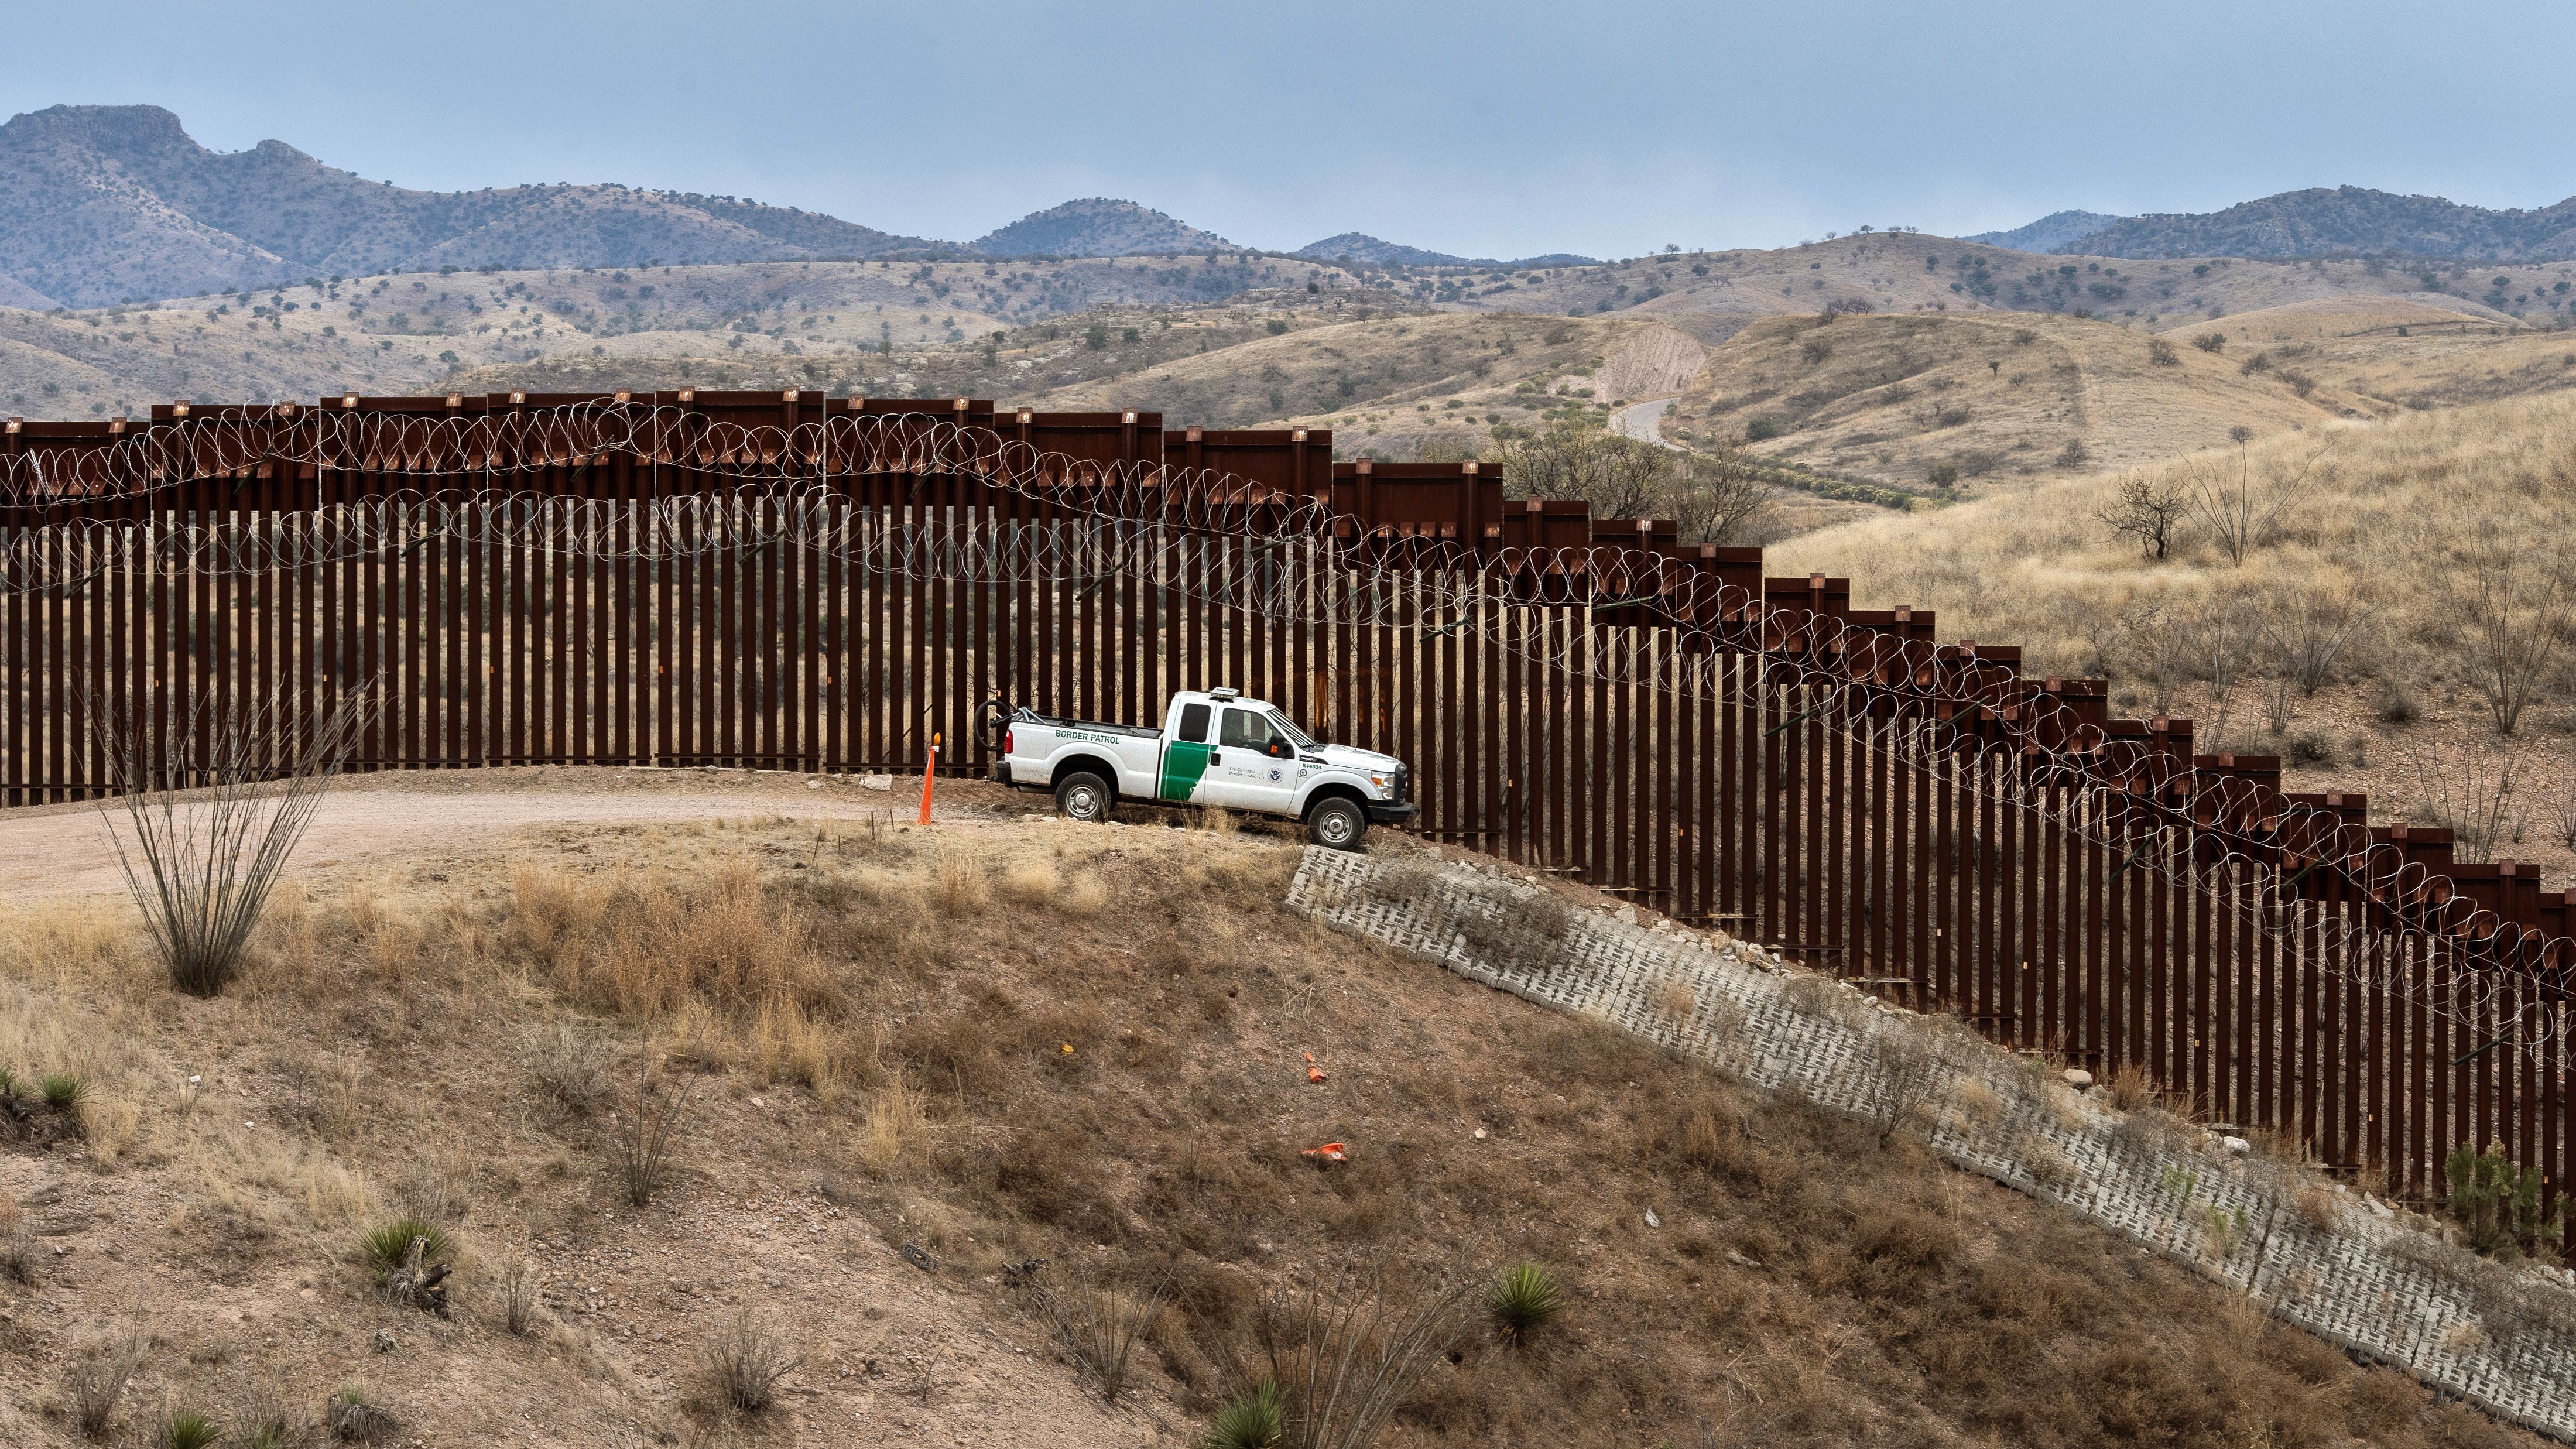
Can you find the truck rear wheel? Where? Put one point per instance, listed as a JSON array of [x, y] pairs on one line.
[[1085, 797], [1338, 823]]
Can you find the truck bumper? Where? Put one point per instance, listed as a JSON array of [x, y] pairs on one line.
[[1000, 774], [1381, 813]]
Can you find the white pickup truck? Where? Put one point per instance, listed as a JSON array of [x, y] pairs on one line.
[[1215, 748]]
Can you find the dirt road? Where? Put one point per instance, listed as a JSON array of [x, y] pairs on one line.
[[65, 849]]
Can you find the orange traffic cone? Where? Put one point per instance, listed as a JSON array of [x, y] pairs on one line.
[[928, 773]]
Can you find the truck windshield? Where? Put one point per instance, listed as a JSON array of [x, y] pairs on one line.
[[1295, 735]]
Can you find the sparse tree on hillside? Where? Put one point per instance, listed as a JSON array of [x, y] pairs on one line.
[[2145, 509], [2211, 342]]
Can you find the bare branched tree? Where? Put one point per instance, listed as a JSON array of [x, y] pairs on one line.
[[2240, 501], [213, 803], [1350, 1348], [2511, 590], [2145, 509], [2472, 790]]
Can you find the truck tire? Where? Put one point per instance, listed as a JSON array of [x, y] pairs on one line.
[[1084, 796], [1338, 823]]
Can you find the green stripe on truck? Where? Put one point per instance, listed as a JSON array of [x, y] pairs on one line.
[[1183, 764]]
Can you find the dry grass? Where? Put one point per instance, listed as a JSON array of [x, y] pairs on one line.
[[17, 1243], [96, 1383], [2387, 509]]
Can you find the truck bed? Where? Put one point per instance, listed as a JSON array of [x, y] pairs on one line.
[[1095, 726]]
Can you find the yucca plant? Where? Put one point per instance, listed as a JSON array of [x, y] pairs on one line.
[[1254, 1419], [63, 1091], [188, 1429], [387, 1243], [353, 1416], [1521, 1298]]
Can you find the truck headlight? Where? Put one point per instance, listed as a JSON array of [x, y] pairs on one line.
[[1378, 781]]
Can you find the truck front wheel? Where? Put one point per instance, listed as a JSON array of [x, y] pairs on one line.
[[1085, 797], [1338, 823]]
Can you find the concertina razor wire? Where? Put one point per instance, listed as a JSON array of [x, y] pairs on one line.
[[2367, 914]]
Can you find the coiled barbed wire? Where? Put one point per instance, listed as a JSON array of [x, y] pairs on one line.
[[1940, 709]]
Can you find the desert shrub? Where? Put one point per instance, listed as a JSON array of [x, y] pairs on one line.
[[354, 1417], [2497, 1204], [387, 1244], [743, 1361], [187, 1429], [519, 1302], [1349, 1349], [2396, 705], [1514, 932], [644, 1129], [1253, 1419], [1944, 475], [213, 817], [437, 1186], [2162, 354], [1917, 1063], [570, 1065], [1404, 883], [1761, 429], [1099, 1326], [2310, 747], [2074, 454], [264, 1420], [97, 1380], [1521, 1299], [17, 1243], [2211, 342]]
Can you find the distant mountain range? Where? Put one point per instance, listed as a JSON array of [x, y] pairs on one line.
[[101, 204], [2320, 221], [1360, 247], [2057, 229]]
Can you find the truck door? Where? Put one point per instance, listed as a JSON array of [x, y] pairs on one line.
[[1254, 767], [1185, 756]]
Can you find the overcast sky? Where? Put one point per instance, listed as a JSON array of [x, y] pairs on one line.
[[1491, 129]]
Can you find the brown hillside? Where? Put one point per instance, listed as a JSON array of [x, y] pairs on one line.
[[1893, 397], [998, 1040]]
